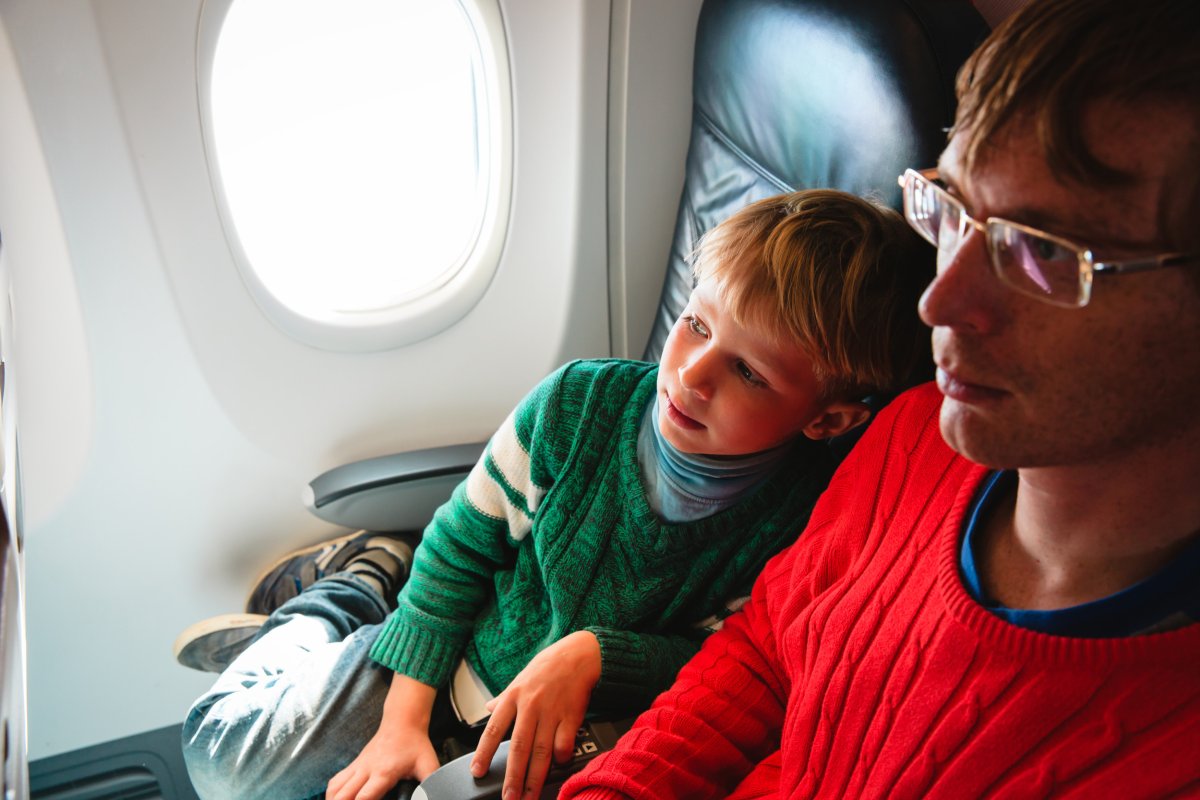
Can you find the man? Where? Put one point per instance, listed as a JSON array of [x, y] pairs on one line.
[[998, 594]]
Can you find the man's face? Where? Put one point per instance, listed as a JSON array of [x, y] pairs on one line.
[[1028, 384]]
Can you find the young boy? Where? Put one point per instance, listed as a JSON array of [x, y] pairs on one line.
[[621, 505]]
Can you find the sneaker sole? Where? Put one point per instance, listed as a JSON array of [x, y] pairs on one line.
[[192, 650]]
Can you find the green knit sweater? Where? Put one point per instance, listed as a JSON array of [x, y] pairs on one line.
[[551, 533]]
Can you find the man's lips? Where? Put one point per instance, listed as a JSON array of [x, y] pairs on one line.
[[957, 388], [678, 417]]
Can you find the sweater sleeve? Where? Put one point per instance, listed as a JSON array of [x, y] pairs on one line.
[[636, 667], [471, 537], [460, 549]]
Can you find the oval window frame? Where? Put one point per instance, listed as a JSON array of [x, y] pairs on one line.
[[442, 304]]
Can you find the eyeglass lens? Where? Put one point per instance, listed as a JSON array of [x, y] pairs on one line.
[[1035, 264], [1028, 262]]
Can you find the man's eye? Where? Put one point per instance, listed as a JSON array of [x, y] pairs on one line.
[[697, 327], [1046, 250]]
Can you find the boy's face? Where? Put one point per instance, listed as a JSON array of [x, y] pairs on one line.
[[725, 389]]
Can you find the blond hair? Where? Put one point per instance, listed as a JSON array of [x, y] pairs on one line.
[[836, 274]]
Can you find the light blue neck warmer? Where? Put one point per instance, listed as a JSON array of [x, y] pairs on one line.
[[683, 487]]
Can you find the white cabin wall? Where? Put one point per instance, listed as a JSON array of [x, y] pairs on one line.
[[36, 251], [167, 426], [120, 557], [650, 114]]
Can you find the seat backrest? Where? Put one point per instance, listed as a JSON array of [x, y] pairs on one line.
[[799, 94]]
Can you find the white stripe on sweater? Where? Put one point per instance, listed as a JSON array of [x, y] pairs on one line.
[[512, 460]]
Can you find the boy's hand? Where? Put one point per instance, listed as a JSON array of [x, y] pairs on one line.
[[391, 756], [548, 700], [400, 749]]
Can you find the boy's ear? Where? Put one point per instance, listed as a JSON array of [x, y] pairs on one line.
[[836, 419]]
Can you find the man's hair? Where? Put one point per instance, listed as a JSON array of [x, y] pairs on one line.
[[838, 275], [1054, 58]]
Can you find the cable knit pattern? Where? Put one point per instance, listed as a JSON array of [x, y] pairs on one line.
[[551, 533], [861, 668]]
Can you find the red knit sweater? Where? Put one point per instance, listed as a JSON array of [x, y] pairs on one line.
[[861, 668]]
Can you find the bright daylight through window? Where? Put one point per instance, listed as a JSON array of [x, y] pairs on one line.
[[349, 141]]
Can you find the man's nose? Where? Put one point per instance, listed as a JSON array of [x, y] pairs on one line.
[[966, 293]]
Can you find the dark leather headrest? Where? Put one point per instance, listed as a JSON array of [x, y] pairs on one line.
[[795, 94]]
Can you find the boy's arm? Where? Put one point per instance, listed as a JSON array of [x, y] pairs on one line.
[[722, 716], [399, 749], [545, 705], [637, 667], [470, 538], [464, 544], [615, 672], [459, 552]]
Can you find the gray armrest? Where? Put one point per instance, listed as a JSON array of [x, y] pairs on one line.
[[454, 781], [391, 493]]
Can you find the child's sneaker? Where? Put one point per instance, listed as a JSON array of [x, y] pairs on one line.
[[381, 559], [211, 644]]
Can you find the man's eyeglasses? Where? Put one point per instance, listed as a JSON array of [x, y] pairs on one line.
[[1031, 261]]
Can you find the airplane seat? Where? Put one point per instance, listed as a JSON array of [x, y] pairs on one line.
[[788, 94]]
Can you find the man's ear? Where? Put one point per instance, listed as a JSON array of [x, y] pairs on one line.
[[837, 418]]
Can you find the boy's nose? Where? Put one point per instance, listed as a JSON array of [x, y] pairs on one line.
[[695, 375]]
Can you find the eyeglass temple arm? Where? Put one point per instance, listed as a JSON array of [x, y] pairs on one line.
[[1166, 260]]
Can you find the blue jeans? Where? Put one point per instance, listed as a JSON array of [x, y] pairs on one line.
[[298, 704]]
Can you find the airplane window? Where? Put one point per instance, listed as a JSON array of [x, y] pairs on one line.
[[358, 148]]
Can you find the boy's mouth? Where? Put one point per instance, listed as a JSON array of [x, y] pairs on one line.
[[678, 417]]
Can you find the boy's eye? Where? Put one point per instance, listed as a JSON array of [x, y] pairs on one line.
[[748, 374], [697, 327]]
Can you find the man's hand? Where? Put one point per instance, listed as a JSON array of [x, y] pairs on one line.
[[391, 756], [548, 700], [400, 749]]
